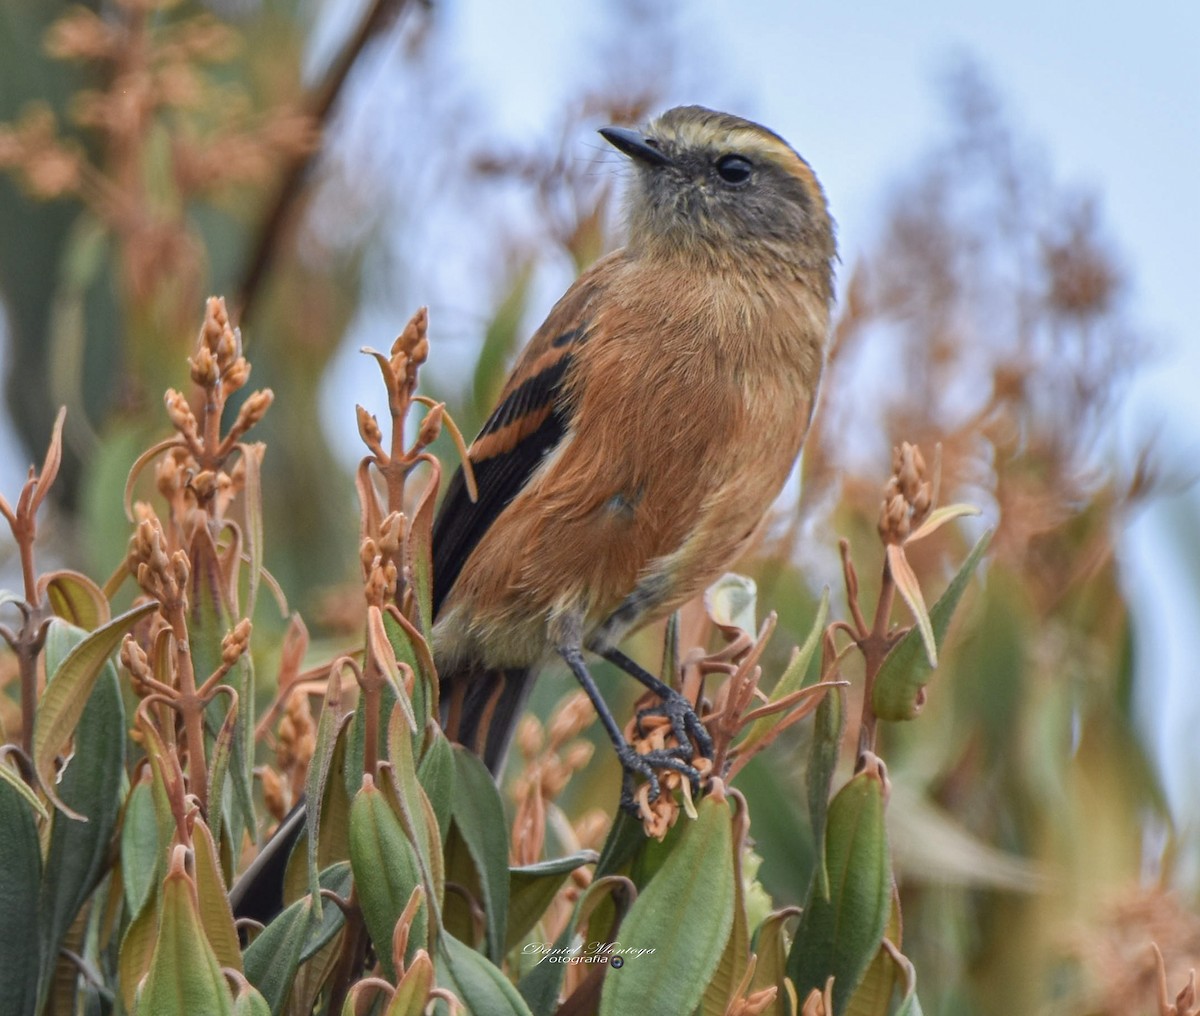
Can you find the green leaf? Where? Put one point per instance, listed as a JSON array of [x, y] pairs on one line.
[[479, 984], [13, 779], [735, 957], [137, 947], [213, 898], [184, 975], [626, 839], [479, 816], [684, 915], [770, 944], [888, 988], [412, 992], [386, 871], [328, 728], [218, 765], [92, 784], [899, 691], [76, 599], [436, 773], [532, 888], [210, 618], [541, 986], [732, 602], [909, 588], [793, 677], [250, 1002], [252, 499], [272, 959], [293, 937], [140, 867], [839, 935], [72, 677], [829, 724], [20, 876]]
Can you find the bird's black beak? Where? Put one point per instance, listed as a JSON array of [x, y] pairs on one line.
[[634, 144]]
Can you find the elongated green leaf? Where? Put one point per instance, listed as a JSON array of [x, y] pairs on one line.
[[328, 728], [407, 798], [250, 1002], [532, 888], [218, 769], [770, 944], [829, 724], [386, 870], [252, 457], [271, 959], [479, 984], [693, 890], [72, 676], [13, 779], [140, 857], [839, 934], [137, 946], [436, 773], [184, 977], [293, 937], [76, 599], [735, 957], [479, 816], [211, 617], [899, 691], [626, 839], [888, 988], [20, 876], [792, 678], [216, 917], [91, 785], [541, 985]]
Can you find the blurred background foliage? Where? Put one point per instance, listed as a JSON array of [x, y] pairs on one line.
[[154, 152]]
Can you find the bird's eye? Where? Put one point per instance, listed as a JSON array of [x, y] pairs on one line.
[[734, 169]]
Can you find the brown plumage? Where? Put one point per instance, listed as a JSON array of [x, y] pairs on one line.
[[646, 428]]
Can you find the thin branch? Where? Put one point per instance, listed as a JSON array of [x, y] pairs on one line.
[[380, 15]]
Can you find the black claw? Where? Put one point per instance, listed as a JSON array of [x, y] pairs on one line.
[[685, 725]]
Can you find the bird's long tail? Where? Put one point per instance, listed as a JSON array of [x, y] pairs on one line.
[[480, 709]]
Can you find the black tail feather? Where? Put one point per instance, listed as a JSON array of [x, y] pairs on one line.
[[480, 710]]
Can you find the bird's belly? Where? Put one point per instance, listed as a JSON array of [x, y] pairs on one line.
[[613, 547]]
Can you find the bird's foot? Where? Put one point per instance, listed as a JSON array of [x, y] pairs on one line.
[[686, 726], [648, 765]]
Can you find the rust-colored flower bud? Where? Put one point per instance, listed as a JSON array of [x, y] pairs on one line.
[[234, 644], [203, 367], [529, 737], [431, 426]]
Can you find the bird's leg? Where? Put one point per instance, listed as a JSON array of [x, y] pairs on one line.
[[633, 763], [685, 724]]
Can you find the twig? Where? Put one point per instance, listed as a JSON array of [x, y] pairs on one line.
[[321, 102]]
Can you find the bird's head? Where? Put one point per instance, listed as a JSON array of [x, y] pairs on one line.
[[725, 190]]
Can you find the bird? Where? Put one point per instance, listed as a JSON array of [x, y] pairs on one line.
[[642, 434], [636, 446]]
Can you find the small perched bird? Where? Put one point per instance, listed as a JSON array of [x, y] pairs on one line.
[[637, 445], [643, 433]]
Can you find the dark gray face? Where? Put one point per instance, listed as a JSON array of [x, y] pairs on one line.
[[728, 197], [720, 185]]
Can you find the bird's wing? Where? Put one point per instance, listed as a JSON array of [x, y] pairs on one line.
[[529, 420]]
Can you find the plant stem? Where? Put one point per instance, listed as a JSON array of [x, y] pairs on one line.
[[875, 647]]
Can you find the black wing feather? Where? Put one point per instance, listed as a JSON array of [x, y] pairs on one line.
[[460, 524]]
